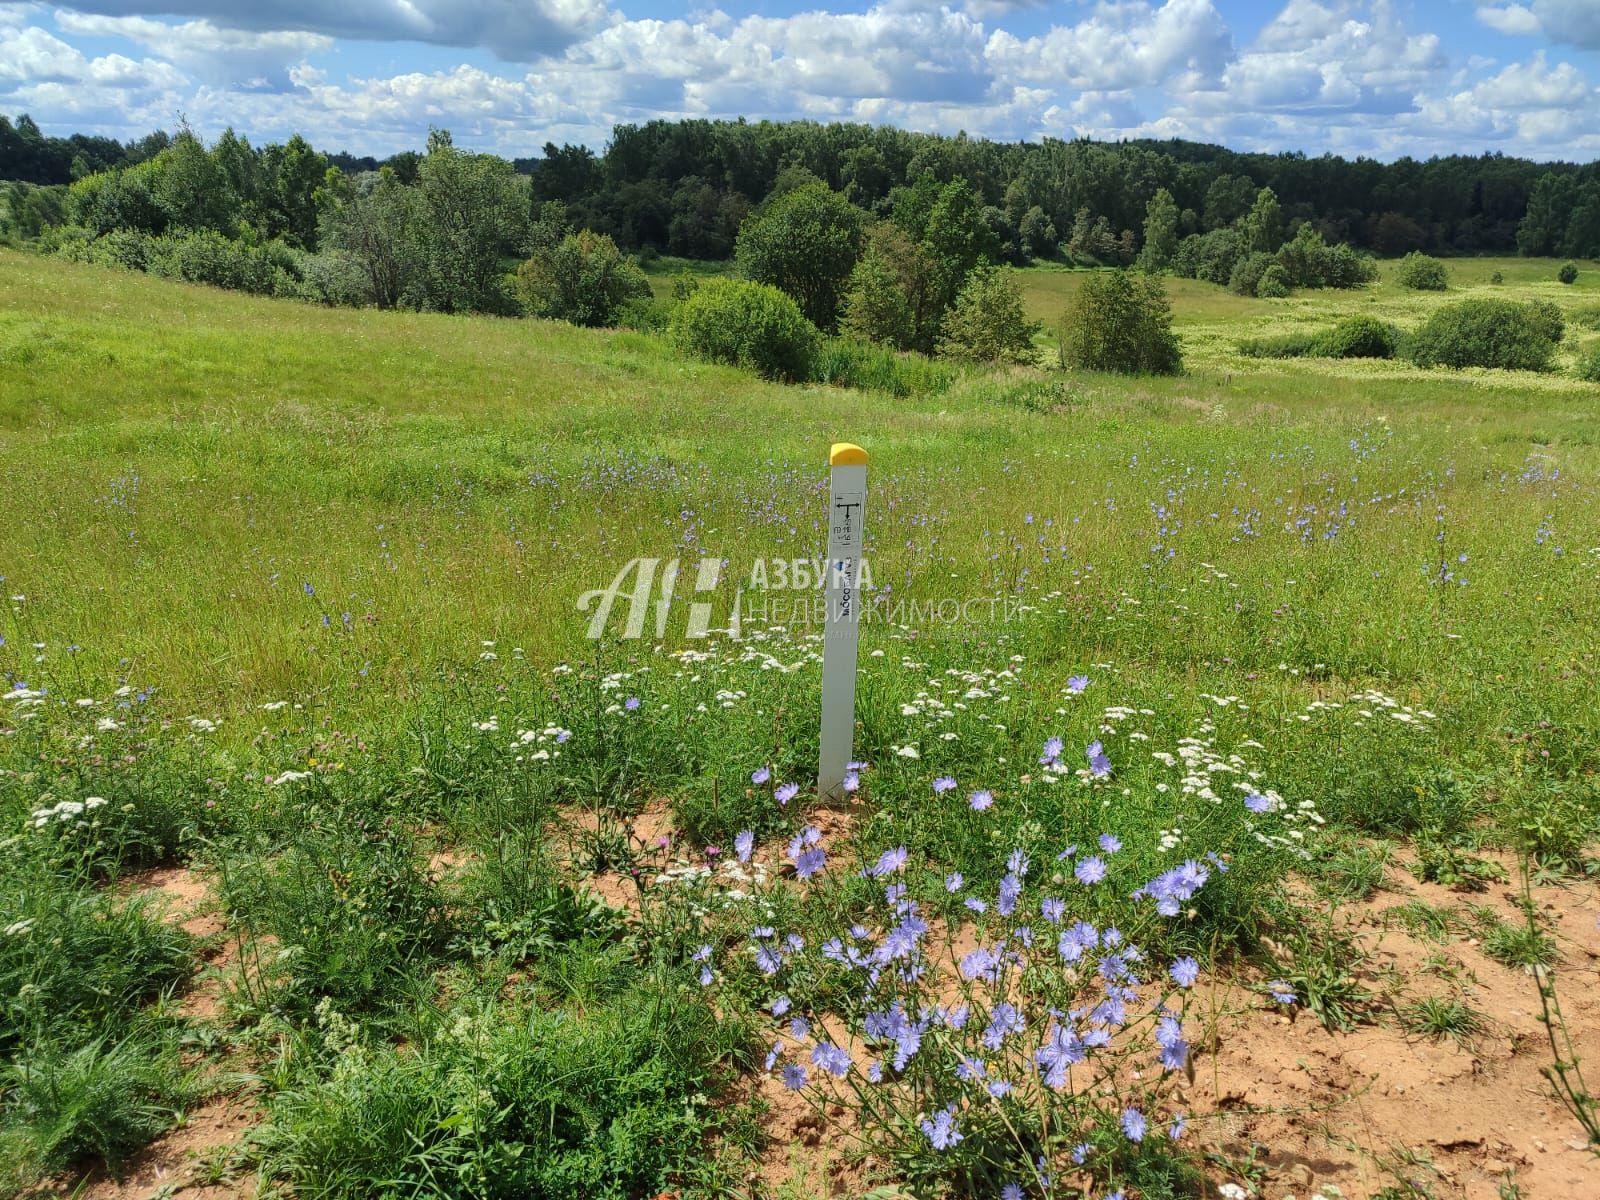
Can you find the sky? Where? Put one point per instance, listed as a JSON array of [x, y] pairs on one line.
[[1383, 78]]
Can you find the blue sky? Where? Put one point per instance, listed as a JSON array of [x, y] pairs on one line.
[[1377, 77]]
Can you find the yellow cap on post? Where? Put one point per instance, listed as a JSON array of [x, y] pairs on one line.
[[847, 454]]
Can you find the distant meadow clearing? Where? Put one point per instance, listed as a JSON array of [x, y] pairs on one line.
[[1276, 665]]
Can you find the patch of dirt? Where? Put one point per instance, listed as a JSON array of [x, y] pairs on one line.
[[663, 856], [182, 1161], [188, 897], [805, 1151], [190, 905], [185, 1158], [1377, 1106]]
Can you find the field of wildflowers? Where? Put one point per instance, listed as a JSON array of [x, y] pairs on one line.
[[1268, 772]]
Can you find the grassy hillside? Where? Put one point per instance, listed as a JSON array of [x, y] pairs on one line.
[[193, 459], [294, 652]]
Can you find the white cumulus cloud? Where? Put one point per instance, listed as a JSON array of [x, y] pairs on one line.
[[242, 58], [516, 30], [1120, 46], [1513, 19]]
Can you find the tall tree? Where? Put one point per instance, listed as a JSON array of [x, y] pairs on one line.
[[374, 221], [191, 188], [475, 215], [956, 240], [805, 242], [1160, 231], [1263, 226], [297, 171]]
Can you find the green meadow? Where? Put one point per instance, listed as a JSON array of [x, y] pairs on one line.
[[294, 592], [185, 461]]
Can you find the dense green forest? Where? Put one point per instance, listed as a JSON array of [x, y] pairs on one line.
[[682, 187]]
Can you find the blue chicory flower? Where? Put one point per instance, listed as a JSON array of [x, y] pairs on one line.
[[942, 1130], [1133, 1124], [1099, 764]]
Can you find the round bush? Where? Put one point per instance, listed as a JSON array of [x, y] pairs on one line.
[[1497, 278], [1588, 368], [1358, 337], [746, 324], [1484, 333], [1273, 284], [1245, 278], [1548, 317], [1422, 273], [583, 279], [1568, 273], [805, 241]]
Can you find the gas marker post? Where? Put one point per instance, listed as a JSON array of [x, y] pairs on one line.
[[842, 618]]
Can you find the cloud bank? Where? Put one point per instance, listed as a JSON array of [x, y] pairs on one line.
[[1349, 76]]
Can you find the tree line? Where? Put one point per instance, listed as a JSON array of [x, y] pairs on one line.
[[684, 187], [679, 186]]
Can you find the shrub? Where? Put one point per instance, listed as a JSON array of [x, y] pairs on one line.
[[1248, 271], [1421, 273], [1588, 368], [1274, 283], [350, 908], [1358, 337], [126, 248], [1123, 323], [1284, 345], [1547, 316], [1209, 256], [201, 256], [1497, 278], [877, 307], [969, 1081], [80, 960], [100, 1100], [206, 256], [746, 324], [684, 284], [1483, 333], [1568, 273], [1018, 387], [1311, 263], [641, 313], [334, 277], [987, 323], [583, 279]]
